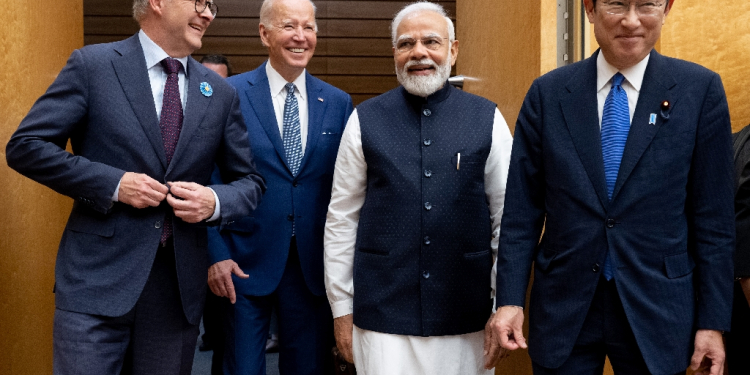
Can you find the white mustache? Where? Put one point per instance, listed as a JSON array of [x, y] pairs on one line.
[[411, 63]]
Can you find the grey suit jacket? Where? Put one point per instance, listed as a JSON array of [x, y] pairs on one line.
[[102, 102]]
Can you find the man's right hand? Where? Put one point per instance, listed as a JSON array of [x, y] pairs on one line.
[[220, 278], [507, 327], [342, 330], [141, 191]]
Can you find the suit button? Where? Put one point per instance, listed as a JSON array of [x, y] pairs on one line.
[[426, 275], [427, 240], [295, 183], [610, 223], [427, 112], [427, 206], [157, 224], [290, 217], [427, 142], [427, 173], [595, 268]]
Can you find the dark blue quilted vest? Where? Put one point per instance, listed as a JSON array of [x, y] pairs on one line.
[[422, 259]]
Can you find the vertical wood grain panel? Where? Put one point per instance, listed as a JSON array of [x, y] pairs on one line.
[[37, 38]]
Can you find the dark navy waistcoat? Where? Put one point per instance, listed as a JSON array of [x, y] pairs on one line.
[[422, 259]]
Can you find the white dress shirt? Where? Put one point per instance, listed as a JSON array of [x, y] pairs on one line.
[[631, 85], [382, 353], [157, 76], [278, 96]]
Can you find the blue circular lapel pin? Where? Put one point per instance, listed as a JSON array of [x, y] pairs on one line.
[[206, 89]]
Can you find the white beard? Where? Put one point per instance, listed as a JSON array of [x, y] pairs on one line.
[[424, 86]]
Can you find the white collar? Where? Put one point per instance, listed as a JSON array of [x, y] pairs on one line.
[[634, 75], [277, 82], [155, 54]]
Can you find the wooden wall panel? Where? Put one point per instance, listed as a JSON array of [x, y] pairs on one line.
[[37, 38], [354, 43]]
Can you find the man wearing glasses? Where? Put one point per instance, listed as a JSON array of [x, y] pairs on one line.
[[412, 226], [625, 160], [147, 124]]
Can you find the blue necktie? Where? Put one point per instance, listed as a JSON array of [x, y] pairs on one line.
[[292, 135], [615, 128]]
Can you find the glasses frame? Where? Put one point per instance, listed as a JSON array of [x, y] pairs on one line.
[[441, 41], [637, 6], [212, 7]]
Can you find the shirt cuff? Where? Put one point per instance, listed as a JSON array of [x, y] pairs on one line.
[[341, 308], [116, 195], [217, 207]]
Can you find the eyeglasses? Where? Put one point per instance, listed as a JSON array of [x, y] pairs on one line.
[[646, 9], [432, 43], [201, 5]]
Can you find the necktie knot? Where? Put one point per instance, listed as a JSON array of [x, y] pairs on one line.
[[617, 80], [290, 89], [171, 66]]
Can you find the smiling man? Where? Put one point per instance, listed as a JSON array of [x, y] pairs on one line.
[[294, 122], [624, 162], [147, 125], [413, 222]]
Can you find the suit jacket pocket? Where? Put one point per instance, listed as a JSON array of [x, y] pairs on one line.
[[246, 224], [678, 265], [84, 223]]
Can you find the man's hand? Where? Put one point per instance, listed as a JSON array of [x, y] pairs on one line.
[[507, 328], [220, 278], [493, 352], [342, 330], [708, 357], [141, 191], [745, 284], [191, 202]]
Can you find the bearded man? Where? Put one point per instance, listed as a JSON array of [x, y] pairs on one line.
[[415, 211]]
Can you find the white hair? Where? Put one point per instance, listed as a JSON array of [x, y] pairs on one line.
[[424, 86], [266, 13], [422, 6], [139, 9]]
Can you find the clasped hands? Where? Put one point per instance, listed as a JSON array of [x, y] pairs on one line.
[[190, 202]]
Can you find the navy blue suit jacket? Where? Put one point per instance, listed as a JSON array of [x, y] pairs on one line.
[[102, 102], [669, 226], [259, 243]]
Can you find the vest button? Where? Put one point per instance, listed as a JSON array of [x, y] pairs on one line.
[[295, 183], [290, 217], [427, 206], [610, 223], [427, 142], [427, 173], [595, 268], [157, 224], [427, 112], [427, 240], [426, 275]]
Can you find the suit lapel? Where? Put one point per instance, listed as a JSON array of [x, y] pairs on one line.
[[259, 96], [133, 76], [655, 89], [579, 108], [195, 109], [315, 111]]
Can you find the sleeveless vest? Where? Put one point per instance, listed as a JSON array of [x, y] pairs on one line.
[[423, 259]]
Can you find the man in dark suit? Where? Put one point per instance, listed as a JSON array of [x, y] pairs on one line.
[[625, 159], [147, 124], [295, 122]]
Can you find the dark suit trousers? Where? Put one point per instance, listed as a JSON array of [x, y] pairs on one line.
[[305, 328], [605, 333], [153, 338], [738, 339]]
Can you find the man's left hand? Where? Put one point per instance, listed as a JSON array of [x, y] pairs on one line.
[[708, 357], [191, 202], [493, 352]]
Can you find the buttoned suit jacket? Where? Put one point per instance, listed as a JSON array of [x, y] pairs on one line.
[[102, 102], [260, 242], [669, 226]]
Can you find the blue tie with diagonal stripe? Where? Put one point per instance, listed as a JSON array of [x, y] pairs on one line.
[[615, 128], [292, 135]]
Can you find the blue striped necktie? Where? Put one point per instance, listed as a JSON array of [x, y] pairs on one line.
[[292, 136], [615, 128]]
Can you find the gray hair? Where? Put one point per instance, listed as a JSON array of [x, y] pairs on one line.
[[266, 10], [421, 6], [139, 9]]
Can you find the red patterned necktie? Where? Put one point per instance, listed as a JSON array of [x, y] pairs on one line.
[[170, 124]]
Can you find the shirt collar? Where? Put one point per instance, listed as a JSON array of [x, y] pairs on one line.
[[155, 54], [277, 82], [634, 75]]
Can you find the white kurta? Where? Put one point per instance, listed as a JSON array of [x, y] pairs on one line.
[[377, 353]]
